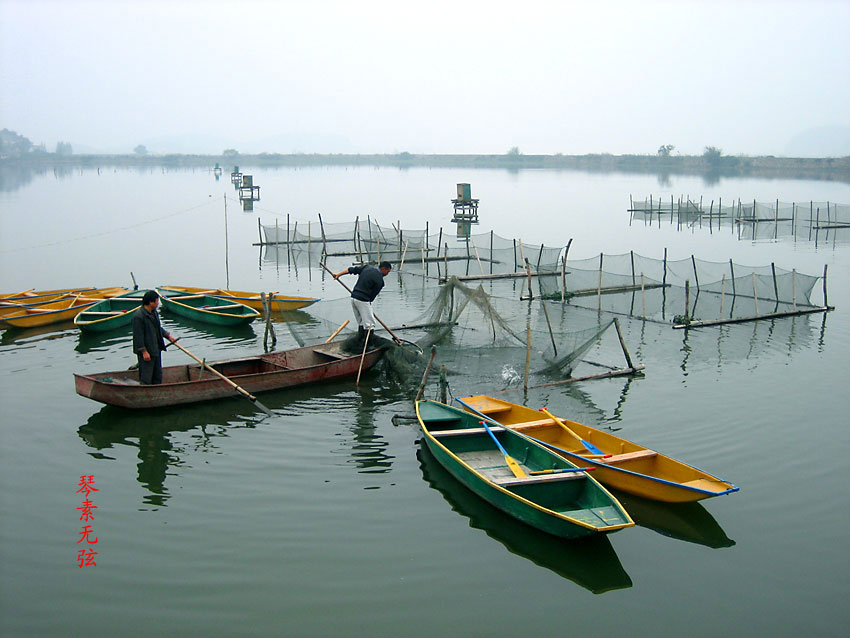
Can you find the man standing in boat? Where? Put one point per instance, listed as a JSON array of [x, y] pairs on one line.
[[370, 281], [149, 339]]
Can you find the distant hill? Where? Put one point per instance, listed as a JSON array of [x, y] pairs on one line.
[[822, 141]]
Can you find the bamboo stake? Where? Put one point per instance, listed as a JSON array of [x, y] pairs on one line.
[[475, 248], [337, 331], [755, 294], [623, 343], [825, 303], [794, 287], [775, 285], [403, 255], [363, 356], [687, 298], [527, 352], [491, 252], [564, 271], [425, 375], [599, 287], [643, 295], [722, 292]]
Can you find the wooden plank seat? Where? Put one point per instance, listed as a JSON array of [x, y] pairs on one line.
[[333, 354], [440, 434], [100, 313], [228, 306], [540, 478], [178, 297], [629, 456]]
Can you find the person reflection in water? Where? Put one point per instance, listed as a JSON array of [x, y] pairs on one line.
[[149, 339]]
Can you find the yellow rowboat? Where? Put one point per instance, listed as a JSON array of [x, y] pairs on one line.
[[622, 464], [33, 294], [56, 311], [250, 299]]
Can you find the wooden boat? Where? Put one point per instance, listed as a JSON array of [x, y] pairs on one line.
[[55, 311], [207, 308], [190, 384], [110, 314], [563, 503], [26, 296], [624, 465], [250, 299], [15, 304]]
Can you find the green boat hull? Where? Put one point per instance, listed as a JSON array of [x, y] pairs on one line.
[[110, 314], [208, 309], [571, 506]]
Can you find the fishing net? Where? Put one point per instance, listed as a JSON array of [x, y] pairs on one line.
[[489, 342], [655, 289]]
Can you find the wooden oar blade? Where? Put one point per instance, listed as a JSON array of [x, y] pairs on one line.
[[515, 468]]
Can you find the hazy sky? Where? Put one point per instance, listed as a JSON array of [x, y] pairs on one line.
[[428, 76]]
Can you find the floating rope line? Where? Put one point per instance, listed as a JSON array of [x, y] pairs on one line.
[[107, 232]]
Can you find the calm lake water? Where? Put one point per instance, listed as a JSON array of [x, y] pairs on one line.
[[329, 519]]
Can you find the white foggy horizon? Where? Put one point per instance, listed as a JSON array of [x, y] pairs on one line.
[[751, 78]]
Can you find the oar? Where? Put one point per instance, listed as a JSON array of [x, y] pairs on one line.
[[522, 434], [386, 327], [515, 468], [363, 356], [590, 447], [240, 390]]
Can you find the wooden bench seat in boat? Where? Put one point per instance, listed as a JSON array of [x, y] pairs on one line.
[[440, 434], [333, 354], [227, 307], [629, 456], [513, 481]]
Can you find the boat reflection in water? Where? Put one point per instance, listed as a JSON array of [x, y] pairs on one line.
[[160, 452], [689, 522], [589, 562]]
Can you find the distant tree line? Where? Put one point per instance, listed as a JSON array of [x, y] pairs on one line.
[[14, 144]]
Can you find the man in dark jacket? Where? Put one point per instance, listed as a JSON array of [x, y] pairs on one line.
[[149, 339], [370, 281]]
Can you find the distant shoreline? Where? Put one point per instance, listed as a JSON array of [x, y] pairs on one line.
[[831, 169]]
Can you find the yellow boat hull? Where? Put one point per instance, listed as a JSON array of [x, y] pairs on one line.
[[251, 299], [624, 465]]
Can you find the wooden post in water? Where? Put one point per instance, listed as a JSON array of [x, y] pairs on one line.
[[722, 292], [226, 248], [755, 295], [564, 271], [775, 285], [528, 271], [632, 255], [794, 288], [324, 239], [696, 277], [425, 375], [643, 295], [527, 351], [623, 343], [491, 252], [259, 225], [444, 384], [403, 255], [599, 287], [664, 277], [687, 298], [825, 302], [732, 272]]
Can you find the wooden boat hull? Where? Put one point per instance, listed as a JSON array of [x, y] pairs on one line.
[[188, 384], [207, 308], [13, 306], [631, 468], [568, 505], [110, 314], [46, 314], [251, 299]]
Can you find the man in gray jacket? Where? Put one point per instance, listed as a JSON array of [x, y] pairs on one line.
[[149, 339]]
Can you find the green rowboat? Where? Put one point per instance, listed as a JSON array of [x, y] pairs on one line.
[[110, 314], [207, 308], [550, 497]]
